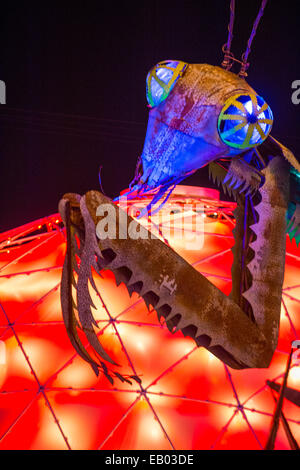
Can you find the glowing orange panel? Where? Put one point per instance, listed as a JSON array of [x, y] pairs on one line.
[[51, 399]]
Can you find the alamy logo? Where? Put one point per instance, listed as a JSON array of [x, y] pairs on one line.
[[2, 92], [183, 223], [296, 93]]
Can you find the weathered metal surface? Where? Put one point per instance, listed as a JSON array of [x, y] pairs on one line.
[[191, 302], [182, 133], [186, 299], [267, 266], [182, 136]]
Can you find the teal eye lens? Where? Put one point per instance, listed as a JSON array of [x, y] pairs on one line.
[[245, 121], [161, 80]]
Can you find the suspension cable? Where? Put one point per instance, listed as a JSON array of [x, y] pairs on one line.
[[245, 56], [228, 56]]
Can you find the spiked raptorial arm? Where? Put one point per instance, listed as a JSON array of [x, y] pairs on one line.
[[68, 278], [82, 244], [259, 250], [263, 265], [179, 293], [241, 329], [240, 178]]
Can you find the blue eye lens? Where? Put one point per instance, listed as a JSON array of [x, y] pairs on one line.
[[161, 80], [245, 121]]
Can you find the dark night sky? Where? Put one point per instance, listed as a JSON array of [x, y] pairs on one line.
[[75, 76]]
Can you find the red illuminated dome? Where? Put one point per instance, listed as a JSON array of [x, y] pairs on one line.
[[51, 399]]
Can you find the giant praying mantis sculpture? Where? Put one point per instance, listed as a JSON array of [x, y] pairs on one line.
[[200, 115]]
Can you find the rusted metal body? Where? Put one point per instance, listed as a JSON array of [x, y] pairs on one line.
[[182, 136]]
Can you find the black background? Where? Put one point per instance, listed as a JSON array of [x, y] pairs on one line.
[[75, 77]]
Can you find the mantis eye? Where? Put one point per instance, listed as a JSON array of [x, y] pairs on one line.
[[245, 121], [161, 80]]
